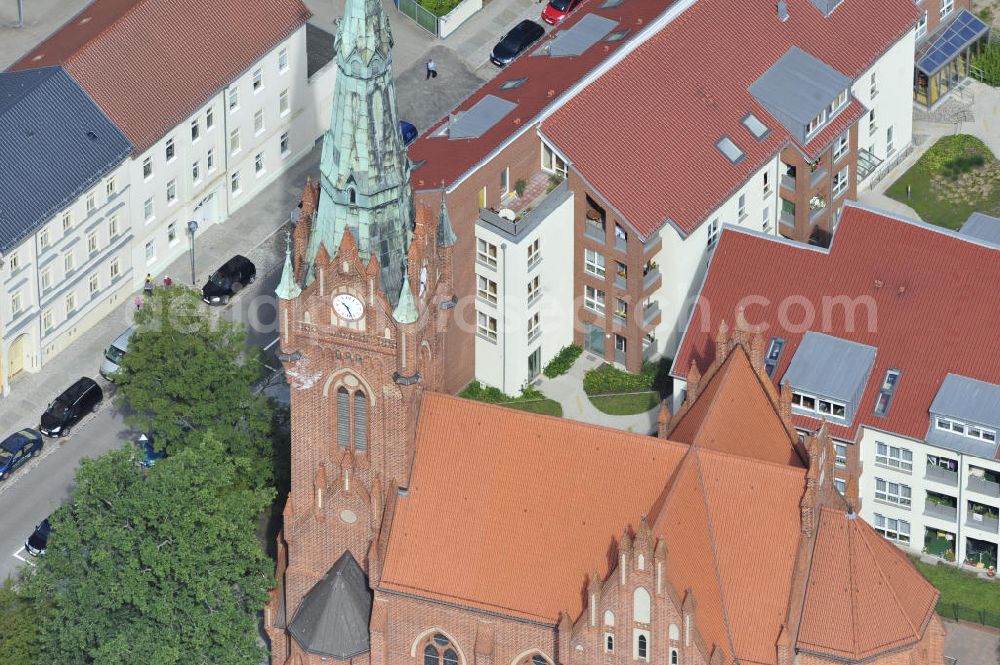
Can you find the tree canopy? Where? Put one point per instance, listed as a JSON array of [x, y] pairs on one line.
[[18, 627], [156, 567], [188, 372]]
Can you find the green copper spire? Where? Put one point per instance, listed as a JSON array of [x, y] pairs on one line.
[[288, 288], [406, 310], [445, 236], [364, 170]]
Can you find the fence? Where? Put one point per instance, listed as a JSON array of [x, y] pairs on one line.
[[966, 613], [420, 16]]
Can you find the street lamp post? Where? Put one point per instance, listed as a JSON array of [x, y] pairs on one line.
[[20, 14], [192, 229]]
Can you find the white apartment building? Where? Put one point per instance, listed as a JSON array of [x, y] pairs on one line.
[[122, 190], [64, 223], [523, 298]]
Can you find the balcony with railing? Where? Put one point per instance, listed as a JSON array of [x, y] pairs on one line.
[[817, 176], [649, 346], [983, 517], [595, 224], [621, 275], [941, 506], [650, 275], [941, 475], [650, 313], [983, 481], [817, 208]]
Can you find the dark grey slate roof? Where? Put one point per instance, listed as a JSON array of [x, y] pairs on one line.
[[797, 88], [475, 122], [982, 227], [55, 143], [830, 367], [332, 619], [581, 36]]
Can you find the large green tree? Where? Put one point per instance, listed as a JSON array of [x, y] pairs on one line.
[[18, 627], [157, 567], [188, 372]]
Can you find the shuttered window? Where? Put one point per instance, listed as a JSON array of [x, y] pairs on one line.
[[343, 418], [360, 422]]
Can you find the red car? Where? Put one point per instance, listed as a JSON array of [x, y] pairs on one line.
[[557, 10]]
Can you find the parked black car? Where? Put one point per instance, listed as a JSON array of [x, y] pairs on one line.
[[39, 539], [17, 449], [228, 280], [66, 410], [521, 36]]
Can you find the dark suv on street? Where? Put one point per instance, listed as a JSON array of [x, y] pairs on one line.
[[66, 410], [228, 280], [17, 449]]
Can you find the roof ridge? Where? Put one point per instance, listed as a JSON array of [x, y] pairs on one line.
[[852, 581], [885, 579], [99, 33], [695, 449], [792, 470], [566, 421], [920, 224]]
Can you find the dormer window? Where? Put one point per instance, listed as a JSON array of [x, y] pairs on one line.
[[886, 392], [816, 122], [818, 405], [838, 103], [773, 355], [965, 429]]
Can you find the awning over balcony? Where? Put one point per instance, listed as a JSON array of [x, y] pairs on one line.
[[867, 163], [965, 29]]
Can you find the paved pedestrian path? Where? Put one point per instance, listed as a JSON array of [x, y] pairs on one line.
[[567, 389], [980, 101], [969, 644]]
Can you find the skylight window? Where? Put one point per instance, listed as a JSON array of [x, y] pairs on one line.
[[608, 4], [773, 355], [513, 83], [755, 126], [617, 35], [886, 391], [730, 150]]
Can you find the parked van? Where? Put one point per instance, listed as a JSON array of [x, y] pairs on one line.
[[113, 354]]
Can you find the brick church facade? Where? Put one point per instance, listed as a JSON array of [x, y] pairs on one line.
[[429, 530]]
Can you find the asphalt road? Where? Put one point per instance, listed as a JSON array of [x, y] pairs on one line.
[[32, 492], [35, 490]]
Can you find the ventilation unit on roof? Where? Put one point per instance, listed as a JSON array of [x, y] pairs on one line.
[[782, 10], [730, 150], [92, 136], [617, 35]]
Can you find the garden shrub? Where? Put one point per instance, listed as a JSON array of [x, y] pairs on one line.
[[562, 361], [988, 60], [951, 148]]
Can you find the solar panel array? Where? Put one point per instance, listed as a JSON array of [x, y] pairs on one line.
[[965, 29]]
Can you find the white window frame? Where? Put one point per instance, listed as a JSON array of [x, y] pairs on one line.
[[841, 146], [889, 491], [170, 150], [45, 279], [110, 187], [922, 25], [534, 253], [235, 145], [873, 85], [258, 164], [283, 60], [892, 529], [284, 145], [210, 160], [67, 220], [93, 246], [946, 7], [112, 227], [257, 80], [235, 184], [534, 288], [894, 457], [209, 119], [171, 192], [594, 299], [43, 237], [594, 263], [47, 320], [147, 168], [70, 302], [284, 106], [713, 232], [965, 429], [148, 209], [534, 326], [195, 131], [69, 262], [115, 269], [840, 181], [150, 251], [171, 233], [741, 206], [234, 100], [15, 303], [91, 204], [840, 454], [94, 285], [486, 326], [486, 289], [195, 171], [258, 122], [552, 162], [799, 400], [486, 253]]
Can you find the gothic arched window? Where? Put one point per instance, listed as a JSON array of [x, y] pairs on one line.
[[640, 605], [360, 422], [643, 648], [535, 659], [439, 651], [352, 196], [343, 417]]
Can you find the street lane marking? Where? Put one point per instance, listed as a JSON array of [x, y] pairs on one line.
[[17, 555]]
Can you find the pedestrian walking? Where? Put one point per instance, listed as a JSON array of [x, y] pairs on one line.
[[432, 70], [167, 282], [148, 286], [138, 303]]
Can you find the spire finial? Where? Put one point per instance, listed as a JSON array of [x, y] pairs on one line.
[[288, 288], [406, 309], [445, 235]]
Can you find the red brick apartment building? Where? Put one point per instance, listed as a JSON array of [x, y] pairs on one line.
[[662, 137]]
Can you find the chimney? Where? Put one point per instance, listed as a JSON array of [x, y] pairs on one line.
[[782, 10]]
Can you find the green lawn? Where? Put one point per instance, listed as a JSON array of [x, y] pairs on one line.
[[625, 405], [963, 595], [547, 407], [957, 176]]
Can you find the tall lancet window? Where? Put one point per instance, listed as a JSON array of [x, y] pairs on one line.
[[343, 417], [360, 422]]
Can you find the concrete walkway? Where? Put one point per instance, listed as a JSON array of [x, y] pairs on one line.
[[969, 644], [979, 100], [568, 391]]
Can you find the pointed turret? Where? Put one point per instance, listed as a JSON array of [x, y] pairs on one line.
[[364, 169], [406, 310], [445, 235], [288, 288]]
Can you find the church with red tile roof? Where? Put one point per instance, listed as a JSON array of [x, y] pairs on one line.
[[426, 529]]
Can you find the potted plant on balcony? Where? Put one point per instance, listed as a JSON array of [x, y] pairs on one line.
[[817, 202], [520, 186]]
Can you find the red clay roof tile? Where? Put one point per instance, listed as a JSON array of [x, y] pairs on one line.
[[149, 64], [932, 285], [652, 129]]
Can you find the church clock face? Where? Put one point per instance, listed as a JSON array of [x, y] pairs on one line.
[[348, 307]]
